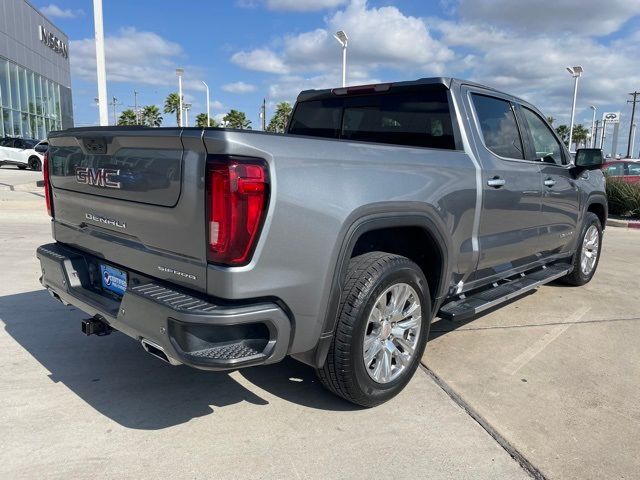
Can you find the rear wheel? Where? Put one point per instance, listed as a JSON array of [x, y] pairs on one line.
[[35, 164], [586, 258], [382, 328]]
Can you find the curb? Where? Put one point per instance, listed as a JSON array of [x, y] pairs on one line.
[[612, 222]]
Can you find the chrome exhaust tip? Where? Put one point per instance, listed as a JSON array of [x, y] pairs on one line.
[[157, 351]]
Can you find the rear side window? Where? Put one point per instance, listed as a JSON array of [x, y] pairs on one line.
[[634, 169], [498, 126], [419, 118]]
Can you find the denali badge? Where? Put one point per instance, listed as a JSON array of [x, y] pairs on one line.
[[106, 221], [177, 272], [98, 177]]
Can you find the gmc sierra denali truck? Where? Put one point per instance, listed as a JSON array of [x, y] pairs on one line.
[[336, 242]]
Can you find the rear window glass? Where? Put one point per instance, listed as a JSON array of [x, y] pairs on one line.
[[419, 118], [498, 125]]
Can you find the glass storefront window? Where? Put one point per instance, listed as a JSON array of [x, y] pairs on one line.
[[14, 86], [29, 104], [5, 92]]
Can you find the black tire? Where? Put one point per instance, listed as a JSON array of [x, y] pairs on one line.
[[368, 276], [35, 164], [577, 277], [22, 167]]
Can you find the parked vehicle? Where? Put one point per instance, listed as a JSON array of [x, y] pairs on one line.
[[20, 152], [42, 147], [627, 171], [336, 243]]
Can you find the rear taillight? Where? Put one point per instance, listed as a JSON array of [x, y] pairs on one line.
[[237, 196], [48, 194]]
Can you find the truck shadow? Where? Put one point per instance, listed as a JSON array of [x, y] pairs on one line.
[[115, 376]]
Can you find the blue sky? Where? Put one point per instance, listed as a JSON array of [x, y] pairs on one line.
[[247, 50]]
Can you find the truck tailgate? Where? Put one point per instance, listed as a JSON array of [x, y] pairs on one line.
[[133, 196]]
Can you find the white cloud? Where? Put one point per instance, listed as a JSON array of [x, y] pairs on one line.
[[378, 37], [304, 5], [585, 18], [141, 58], [261, 59], [54, 11], [238, 87]]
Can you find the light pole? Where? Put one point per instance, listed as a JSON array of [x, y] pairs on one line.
[[207, 87], [100, 63], [593, 127], [342, 39], [187, 107], [633, 139], [575, 73], [179, 73]]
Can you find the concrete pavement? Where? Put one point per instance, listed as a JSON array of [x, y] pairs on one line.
[[78, 407], [557, 373]]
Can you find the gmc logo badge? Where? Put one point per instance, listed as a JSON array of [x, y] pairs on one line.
[[98, 177]]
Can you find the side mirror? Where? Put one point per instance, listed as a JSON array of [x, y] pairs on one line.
[[589, 158]]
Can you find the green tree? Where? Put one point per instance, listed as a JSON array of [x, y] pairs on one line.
[[236, 119], [172, 105], [128, 117], [201, 121], [563, 133], [580, 134], [151, 117], [278, 122]]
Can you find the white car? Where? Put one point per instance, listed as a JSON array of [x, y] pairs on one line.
[[20, 152]]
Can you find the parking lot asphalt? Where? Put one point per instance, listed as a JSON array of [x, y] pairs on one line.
[[100, 407], [556, 373]]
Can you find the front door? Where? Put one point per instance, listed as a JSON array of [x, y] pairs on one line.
[[510, 220], [560, 195]]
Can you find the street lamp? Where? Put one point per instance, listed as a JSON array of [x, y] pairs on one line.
[[179, 73], [207, 87], [575, 72], [187, 107], [593, 127], [342, 39]]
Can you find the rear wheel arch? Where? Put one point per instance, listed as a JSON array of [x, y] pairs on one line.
[[356, 241]]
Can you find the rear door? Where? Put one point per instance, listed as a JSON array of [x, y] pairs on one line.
[[134, 197], [510, 218], [560, 197]]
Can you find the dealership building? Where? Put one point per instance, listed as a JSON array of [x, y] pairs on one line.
[[35, 77]]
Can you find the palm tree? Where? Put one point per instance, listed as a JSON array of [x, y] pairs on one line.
[[151, 116], [128, 117], [201, 121], [550, 120], [563, 133], [278, 122], [236, 119], [580, 134], [172, 105]]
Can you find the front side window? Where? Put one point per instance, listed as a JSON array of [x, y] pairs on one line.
[[616, 169], [546, 145], [498, 126]]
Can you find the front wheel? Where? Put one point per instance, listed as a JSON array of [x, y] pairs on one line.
[[22, 167], [35, 164], [382, 328], [587, 256]]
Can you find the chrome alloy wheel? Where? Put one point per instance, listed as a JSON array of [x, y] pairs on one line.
[[589, 253], [392, 332]]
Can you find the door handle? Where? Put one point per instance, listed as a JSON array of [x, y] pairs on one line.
[[496, 182], [549, 182]]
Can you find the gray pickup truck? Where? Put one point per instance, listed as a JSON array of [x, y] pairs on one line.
[[336, 242]]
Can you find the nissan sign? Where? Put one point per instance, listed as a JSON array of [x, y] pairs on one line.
[[611, 117], [53, 42]]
